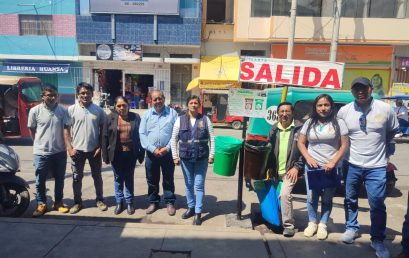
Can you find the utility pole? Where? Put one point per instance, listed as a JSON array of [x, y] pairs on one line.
[[293, 13], [335, 31], [290, 46]]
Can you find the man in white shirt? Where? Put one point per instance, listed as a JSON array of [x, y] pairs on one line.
[[371, 125]]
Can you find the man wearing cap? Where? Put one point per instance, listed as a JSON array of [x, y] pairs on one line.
[[371, 124]]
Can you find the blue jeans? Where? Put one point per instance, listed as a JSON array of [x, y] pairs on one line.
[[57, 163], [405, 231], [153, 166], [375, 184], [123, 167], [195, 175], [313, 196]]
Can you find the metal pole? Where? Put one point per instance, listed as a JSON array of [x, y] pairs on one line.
[[335, 31], [290, 46], [293, 13], [113, 33], [155, 29], [241, 171]]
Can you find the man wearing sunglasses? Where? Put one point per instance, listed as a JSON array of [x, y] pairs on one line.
[[371, 124]]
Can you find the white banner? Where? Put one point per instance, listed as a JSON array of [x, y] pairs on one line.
[[291, 72], [249, 103]]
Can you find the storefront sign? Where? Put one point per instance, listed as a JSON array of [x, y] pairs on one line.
[[11, 67], [159, 7], [249, 103], [292, 72], [117, 52], [350, 54], [400, 88]]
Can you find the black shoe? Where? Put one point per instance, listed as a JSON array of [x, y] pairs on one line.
[[197, 221], [188, 213], [118, 209], [130, 209]]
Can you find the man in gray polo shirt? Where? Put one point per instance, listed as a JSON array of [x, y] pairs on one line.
[[83, 140], [46, 122], [371, 125]]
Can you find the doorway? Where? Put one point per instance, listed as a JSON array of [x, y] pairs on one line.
[[137, 89]]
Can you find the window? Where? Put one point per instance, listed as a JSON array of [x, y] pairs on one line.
[[151, 54], [180, 55], [261, 8], [189, 9], [252, 53], [220, 11], [83, 7], [36, 24], [379, 9], [281, 7], [309, 7], [181, 75], [371, 8]]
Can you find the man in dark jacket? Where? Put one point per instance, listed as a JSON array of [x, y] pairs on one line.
[[286, 160]]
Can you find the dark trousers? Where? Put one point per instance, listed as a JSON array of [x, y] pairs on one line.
[[153, 167], [123, 167], [77, 165]]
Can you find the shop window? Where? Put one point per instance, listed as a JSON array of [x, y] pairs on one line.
[[36, 24], [220, 11], [181, 75], [180, 55], [252, 53]]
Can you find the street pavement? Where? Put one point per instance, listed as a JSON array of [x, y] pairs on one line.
[[93, 233]]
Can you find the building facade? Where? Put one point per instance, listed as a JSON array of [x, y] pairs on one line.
[[130, 50], [372, 41], [39, 39]]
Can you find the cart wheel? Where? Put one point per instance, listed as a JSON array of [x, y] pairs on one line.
[[236, 125]]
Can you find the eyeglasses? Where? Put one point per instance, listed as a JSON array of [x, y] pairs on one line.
[[362, 122]]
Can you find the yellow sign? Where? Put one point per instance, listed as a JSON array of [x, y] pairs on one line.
[[378, 77]]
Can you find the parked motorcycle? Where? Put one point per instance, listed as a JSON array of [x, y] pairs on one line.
[[14, 195]]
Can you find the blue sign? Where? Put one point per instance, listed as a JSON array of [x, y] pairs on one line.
[[10, 67]]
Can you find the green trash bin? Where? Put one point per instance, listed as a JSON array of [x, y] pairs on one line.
[[227, 151]]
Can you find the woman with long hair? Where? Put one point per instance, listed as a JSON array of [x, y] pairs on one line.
[[121, 147], [192, 134], [322, 141]]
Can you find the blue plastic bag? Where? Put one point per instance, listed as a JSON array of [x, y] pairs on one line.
[[269, 202]]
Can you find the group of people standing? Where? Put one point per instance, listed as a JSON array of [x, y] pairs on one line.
[[121, 139], [358, 134]]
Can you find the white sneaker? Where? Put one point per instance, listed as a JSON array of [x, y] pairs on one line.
[[322, 232], [311, 229]]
